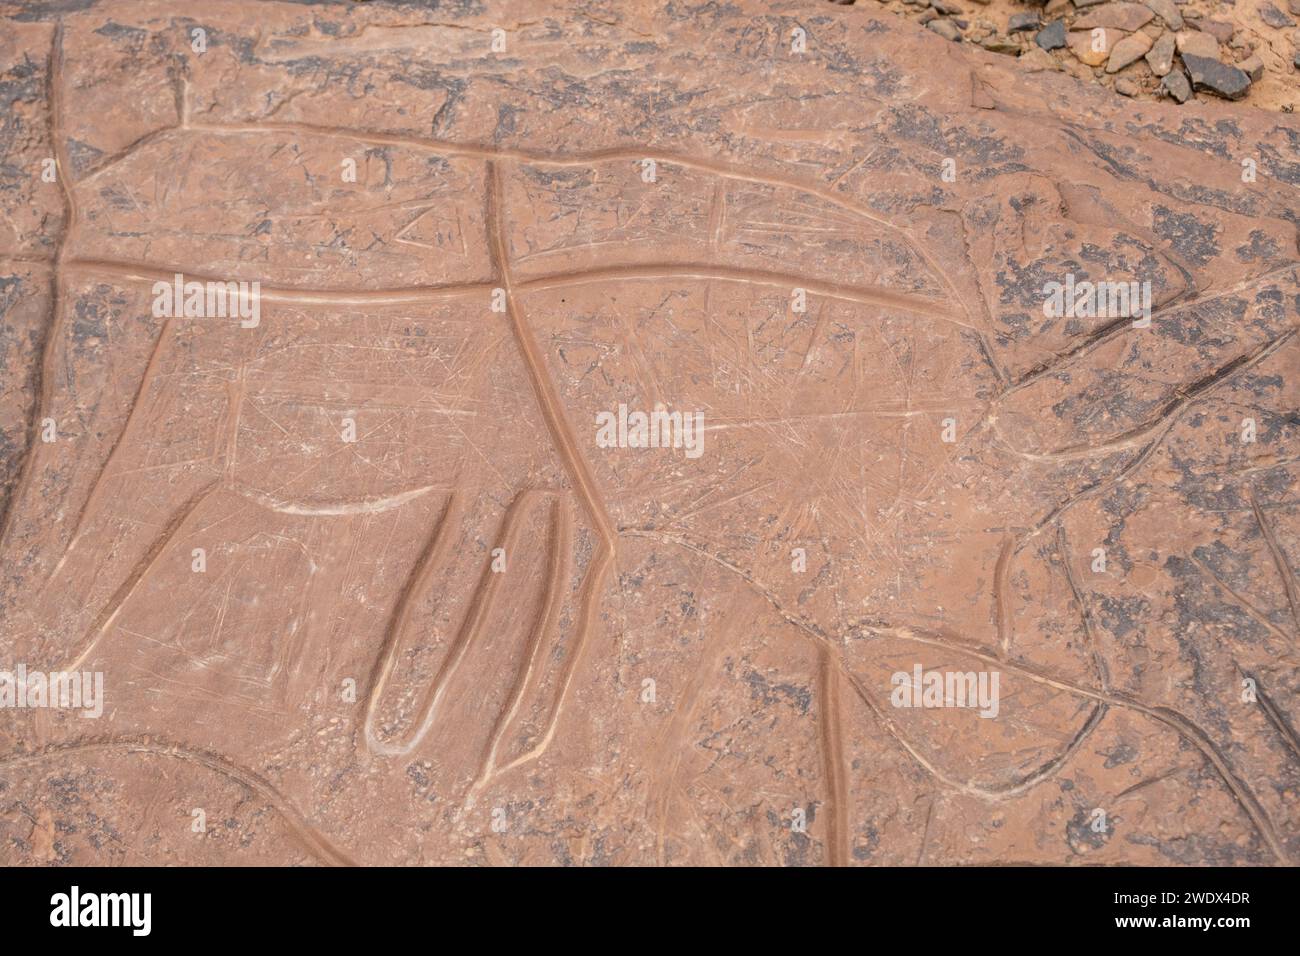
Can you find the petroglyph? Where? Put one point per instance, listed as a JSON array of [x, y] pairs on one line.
[[368, 562]]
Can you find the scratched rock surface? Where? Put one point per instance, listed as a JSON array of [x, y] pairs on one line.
[[364, 582]]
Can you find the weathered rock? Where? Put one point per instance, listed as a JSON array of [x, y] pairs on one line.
[[1274, 17], [638, 652], [1166, 10], [1093, 46], [1022, 21], [1128, 50], [1081, 4], [1161, 55], [1196, 43], [946, 7], [1175, 84], [1216, 28], [1253, 67], [1116, 16], [1216, 77], [946, 29], [1126, 87], [1036, 60], [1293, 6], [1052, 36], [1005, 45]]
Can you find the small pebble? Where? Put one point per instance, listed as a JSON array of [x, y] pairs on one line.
[[1001, 45], [1116, 16], [1220, 31], [1161, 56], [946, 29], [1167, 11], [1128, 50], [1253, 67], [1052, 36], [1176, 85], [1274, 17]]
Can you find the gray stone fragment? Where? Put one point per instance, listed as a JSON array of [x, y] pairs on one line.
[[1167, 11], [1161, 56], [1115, 16], [1022, 21], [1052, 36], [1219, 30], [1274, 17], [1176, 85], [1216, 77], [946, 29]]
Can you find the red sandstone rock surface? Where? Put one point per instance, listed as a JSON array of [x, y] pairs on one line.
[[365, 579]]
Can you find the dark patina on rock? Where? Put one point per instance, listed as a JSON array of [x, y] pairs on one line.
[[1215, 77], [1052, 36]]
